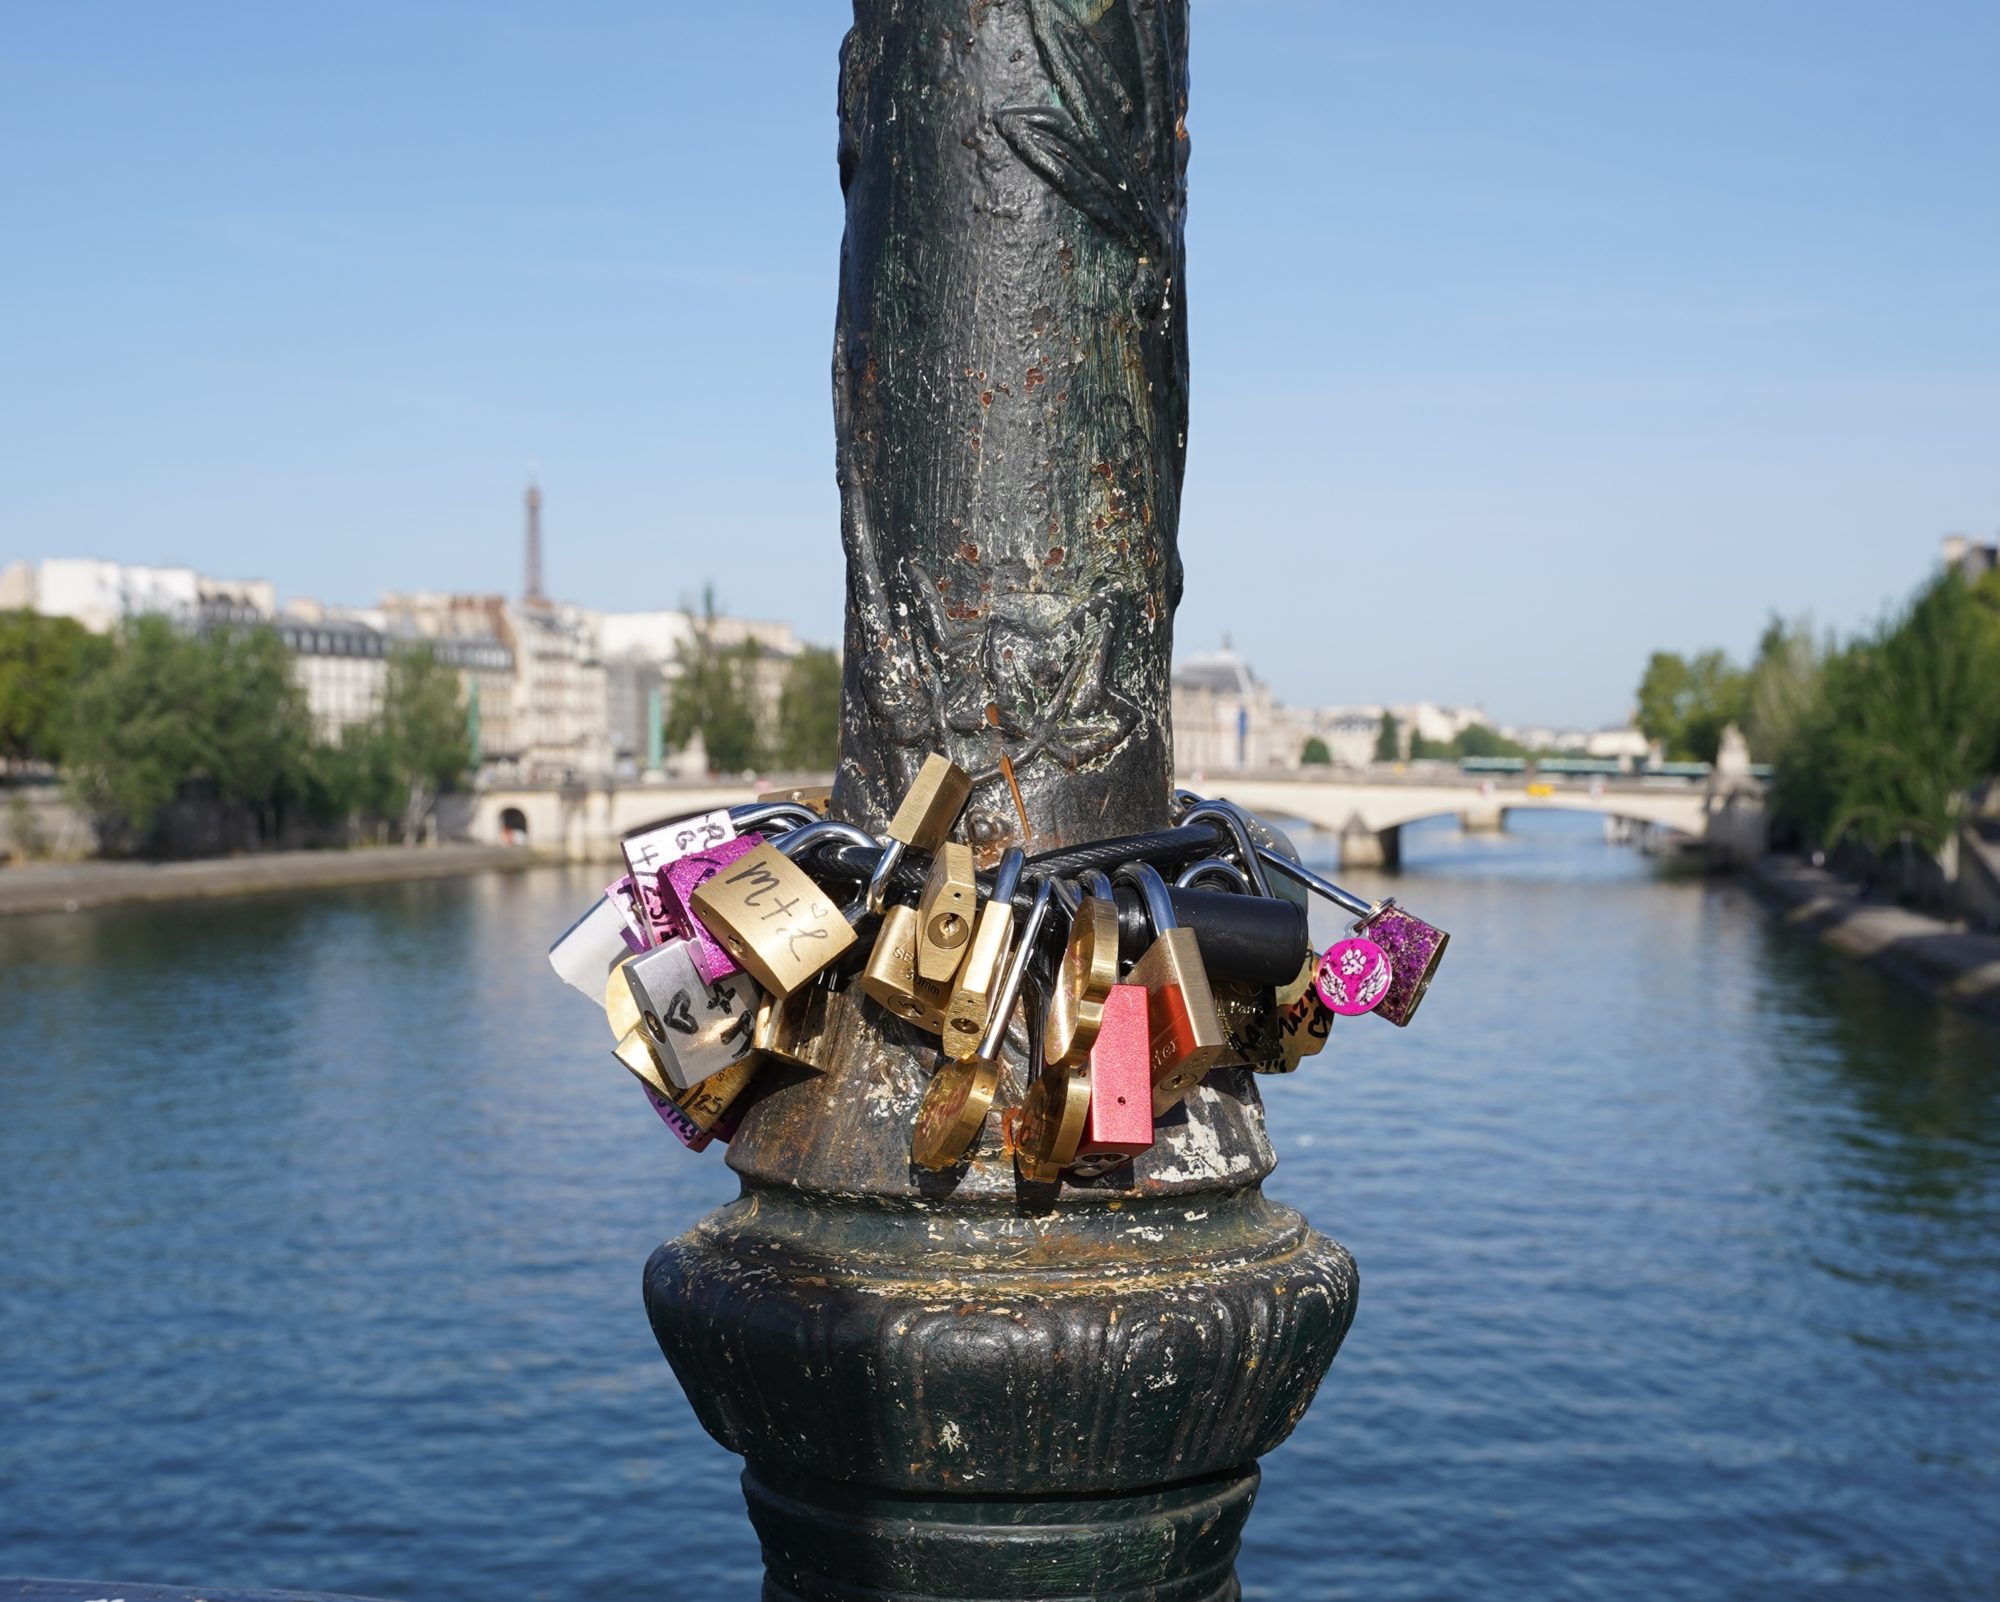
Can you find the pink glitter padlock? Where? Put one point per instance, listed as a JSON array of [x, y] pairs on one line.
[[624, 895], [1415, 948], [1353, 976], [679, 880]]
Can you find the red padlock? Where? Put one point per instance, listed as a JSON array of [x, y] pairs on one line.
[[1120, 1122]]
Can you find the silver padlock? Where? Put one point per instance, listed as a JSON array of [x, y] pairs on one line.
[[698, 1028], [589, 948]]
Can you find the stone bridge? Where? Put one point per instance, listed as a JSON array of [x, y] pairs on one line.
[[1365, 811]]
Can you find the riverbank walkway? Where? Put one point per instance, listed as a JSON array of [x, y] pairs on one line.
[[73, 886], [1957, 965]]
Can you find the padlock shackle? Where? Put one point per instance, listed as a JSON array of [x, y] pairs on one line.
[[1007, 876], [1257, 858], [1233, 877], [1017, 970], [877, 894], [1145, 878], [1231, 816], [808, 834], [756, 814], [1346, 900]]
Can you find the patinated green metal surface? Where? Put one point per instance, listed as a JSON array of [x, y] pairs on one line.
[[957, 1385]]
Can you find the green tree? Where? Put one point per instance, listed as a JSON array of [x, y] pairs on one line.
[[1785, 685], [1388, 742], [713, 694], [1686, 703], [1316, 754], [255, 727], [166, 712], [1907, 722], [809, 711], [422, 745], [42, 661], [1477, 740]]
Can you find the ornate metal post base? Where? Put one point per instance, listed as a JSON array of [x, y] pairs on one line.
[[828, 1542], [961, 1385]]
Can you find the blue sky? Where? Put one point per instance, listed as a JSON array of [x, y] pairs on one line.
[[1525, 338]]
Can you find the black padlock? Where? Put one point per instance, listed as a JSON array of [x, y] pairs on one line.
[[1262, 939]]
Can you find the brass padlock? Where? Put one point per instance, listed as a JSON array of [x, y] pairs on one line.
[[698, 1028], [780, 1021], [945, 913], [1051, 1122], [814, 798], [1249, 1014], [1186, 1037], [799, 1028], [955, 1105], [1089, 970], [773, 918], [890, 974], [1304, 1021], [924, 817], [978, 979], [706, 1101], [952, 1112]]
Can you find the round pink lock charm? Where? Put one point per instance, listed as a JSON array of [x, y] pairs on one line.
[[1353, 976]]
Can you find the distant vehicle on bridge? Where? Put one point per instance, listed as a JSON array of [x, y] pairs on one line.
[[1579, 767]]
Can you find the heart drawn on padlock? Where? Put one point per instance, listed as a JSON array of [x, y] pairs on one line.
[[1353, 976], [680, 1014]]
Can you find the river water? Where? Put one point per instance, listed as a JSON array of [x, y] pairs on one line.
[[322, 1220]]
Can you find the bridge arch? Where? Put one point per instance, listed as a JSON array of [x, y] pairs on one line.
[[1368, 815]]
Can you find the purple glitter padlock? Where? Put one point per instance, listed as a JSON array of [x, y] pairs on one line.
[[1415, 948], [683, 1126], [679, 880]]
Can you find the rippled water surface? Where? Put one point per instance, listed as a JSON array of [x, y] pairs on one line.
[[322, 1218]]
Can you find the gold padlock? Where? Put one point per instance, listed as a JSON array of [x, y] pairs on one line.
[[771, 916], [1185, 1034], [780, 1020], [931, 804], [1089, 970], [800, 1028], [621, 1007], [955, 1105], [924, 817], [814, 798], [945, 914], [890, 974], [1051, 1122], [952, 1113], [705, 1101], [978, 977], [1304, 1021], [1249, 1014]]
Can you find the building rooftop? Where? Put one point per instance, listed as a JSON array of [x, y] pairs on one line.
[[1222, 671]]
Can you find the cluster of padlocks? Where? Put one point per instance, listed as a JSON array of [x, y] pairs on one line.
[[734, 939]]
